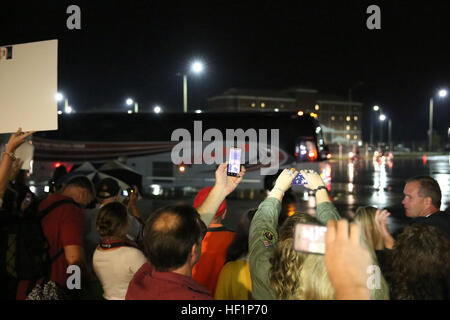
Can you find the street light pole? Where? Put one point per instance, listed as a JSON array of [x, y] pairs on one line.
[[130, 102], [442, 94], [381, 131], [371, 128], [390, 134], [430, 126], [376, 109], [184, 93], [196, 67]]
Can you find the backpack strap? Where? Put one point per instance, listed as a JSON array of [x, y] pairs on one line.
[[54, 205]]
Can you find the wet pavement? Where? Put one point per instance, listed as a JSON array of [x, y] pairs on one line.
[[353, 184]]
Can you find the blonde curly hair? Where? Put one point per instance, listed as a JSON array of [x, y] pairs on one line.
[[297, 275], [365, 217]]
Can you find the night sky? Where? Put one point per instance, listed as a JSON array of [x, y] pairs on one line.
[[136, 48]]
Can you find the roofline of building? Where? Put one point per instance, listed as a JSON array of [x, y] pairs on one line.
[[302, 90], [341, 102], [252, 98]]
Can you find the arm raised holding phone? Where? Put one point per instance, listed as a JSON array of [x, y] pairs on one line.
[[263, 236], [325, 208], [223, 186]]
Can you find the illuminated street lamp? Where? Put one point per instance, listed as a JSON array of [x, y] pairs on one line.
[[68, 109], [60, 97], [382, 118], [196, 67], [130, 102], [442, 94], [157, 109]]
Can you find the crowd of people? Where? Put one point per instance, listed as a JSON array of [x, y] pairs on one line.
[[184, 251]]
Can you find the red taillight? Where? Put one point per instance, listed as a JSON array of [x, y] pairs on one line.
[[57, 165], [312, 155]]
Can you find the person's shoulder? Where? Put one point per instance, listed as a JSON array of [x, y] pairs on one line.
[[59, 197], [444, 214], [438, 216], [144, 271], [235, 265], [131, 252]]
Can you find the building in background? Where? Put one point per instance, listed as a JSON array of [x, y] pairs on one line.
[[340, 118]]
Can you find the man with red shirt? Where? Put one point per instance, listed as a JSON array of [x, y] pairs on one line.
[[63, 228], [214, 246], [173, 241]]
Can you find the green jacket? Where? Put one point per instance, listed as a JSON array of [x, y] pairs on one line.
[[263, 237]]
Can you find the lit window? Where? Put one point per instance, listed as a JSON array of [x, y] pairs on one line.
[[333, 118], [355, 118], [316, 107], [355, 137], [348, 137], [348, 118], [253, 104], [263, 104], [347, 128]]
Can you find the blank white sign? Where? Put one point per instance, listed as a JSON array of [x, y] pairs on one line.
[[28, 84]]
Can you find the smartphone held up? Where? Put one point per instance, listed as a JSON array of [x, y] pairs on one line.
[[234, 162], [127, 192], [299, 180], [309, 238]]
